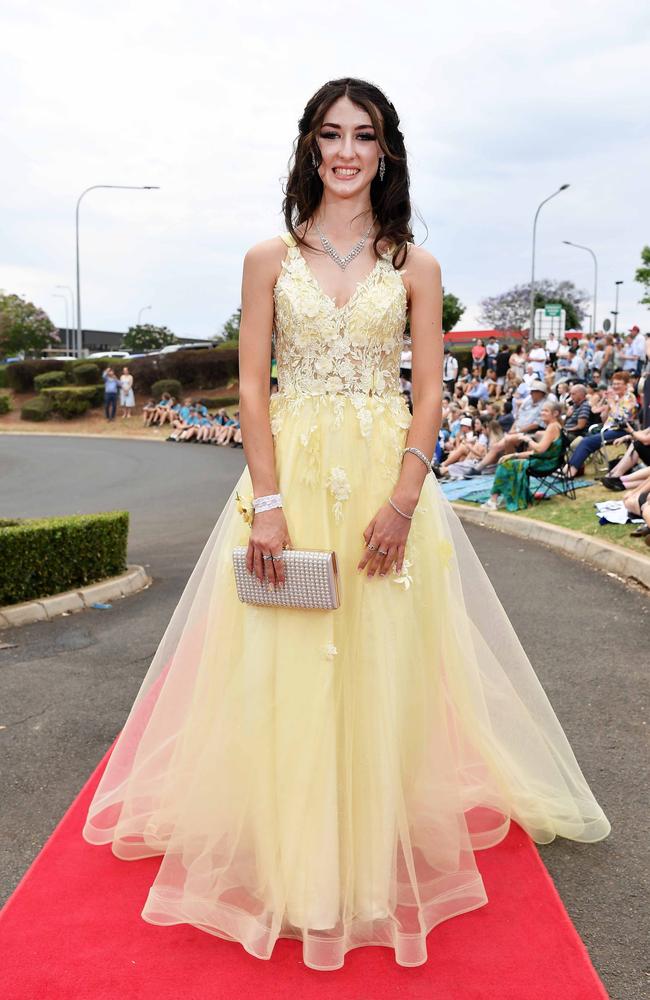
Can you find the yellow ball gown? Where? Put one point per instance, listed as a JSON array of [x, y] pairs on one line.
[[328, 775]]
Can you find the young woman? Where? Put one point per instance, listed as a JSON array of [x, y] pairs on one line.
[[127, 398], [328, 775]]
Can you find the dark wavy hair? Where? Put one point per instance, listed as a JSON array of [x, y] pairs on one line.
[[390, 199]]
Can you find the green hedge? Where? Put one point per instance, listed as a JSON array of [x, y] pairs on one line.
[[48, 379], [5, 404], [71, 400], [86, 374], [36, 409], [214, 367], [44, 556], [3, 377], [170, 385]]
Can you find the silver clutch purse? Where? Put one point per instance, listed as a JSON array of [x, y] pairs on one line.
[[311, 580]]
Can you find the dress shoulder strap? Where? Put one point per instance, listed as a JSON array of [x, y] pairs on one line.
[[288, 239]]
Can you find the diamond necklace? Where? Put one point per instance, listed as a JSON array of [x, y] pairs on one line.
[[335, 255]]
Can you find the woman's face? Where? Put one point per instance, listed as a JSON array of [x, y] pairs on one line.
[[547, 414], [618, 385], [349, 149]]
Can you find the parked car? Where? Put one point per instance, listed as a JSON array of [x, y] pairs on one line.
[[108, 354]]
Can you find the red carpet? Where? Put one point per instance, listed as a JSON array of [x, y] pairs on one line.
[[72, 931]]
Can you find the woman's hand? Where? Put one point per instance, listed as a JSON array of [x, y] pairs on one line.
[[388, 531], [269, 536]]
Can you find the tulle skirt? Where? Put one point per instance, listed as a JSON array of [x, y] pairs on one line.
[[328, 775]]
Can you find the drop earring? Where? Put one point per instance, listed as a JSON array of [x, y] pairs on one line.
[[313, 159], [382, 167]]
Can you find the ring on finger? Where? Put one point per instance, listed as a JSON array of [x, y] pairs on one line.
[[267, 556], [382, 552], [279, 557], [369, 545]]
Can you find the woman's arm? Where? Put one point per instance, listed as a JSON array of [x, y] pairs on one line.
[[549, 435], [269, 532], [389, 530], [427, 345]]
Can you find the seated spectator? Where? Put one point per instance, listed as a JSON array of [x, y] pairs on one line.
[[148, 411], [638, 504], [621, 477], [527, 420], [579, 417], [506, 418], [618, 410], [511, 487]]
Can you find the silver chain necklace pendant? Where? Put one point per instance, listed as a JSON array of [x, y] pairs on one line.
[[335, 255]]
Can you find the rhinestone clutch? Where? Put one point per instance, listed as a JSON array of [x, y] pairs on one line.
[[311, 580]]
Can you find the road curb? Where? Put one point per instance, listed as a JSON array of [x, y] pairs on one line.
[[46, 608], [602, 555], [88, 437]]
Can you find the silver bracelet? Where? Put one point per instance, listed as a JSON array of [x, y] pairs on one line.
[[420, 455], [267, 503], [395, 507]]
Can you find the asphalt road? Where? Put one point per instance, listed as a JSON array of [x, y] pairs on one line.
[[66, 686]]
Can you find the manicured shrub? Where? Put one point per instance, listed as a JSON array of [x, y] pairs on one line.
[[36, 409], [71, 400], [44, 556], [170, 385], [5, 404], [86, 374], [20, 374], [47, 379]]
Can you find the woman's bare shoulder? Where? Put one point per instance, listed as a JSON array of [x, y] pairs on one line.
[[263, 260], [421, 263]]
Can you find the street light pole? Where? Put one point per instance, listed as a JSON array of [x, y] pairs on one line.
[[563, 187], [594, 321], [94, 187], [57, 295], [617, 284], [140, 313]]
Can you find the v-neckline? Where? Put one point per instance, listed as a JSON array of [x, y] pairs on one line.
[[330, 298]]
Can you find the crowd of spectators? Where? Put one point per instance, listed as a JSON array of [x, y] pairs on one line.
[[545, 406], [192, 421]]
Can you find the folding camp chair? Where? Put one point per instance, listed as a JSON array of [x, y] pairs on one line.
[[553, 482]]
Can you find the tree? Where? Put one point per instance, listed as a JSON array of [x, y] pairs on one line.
[[452, 310], [511, 309], [230, 329], [24, 328], [642, 275], [147, 337]]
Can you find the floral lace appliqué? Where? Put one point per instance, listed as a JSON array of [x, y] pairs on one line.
[[403, 578], [323, 348], [339, 487]]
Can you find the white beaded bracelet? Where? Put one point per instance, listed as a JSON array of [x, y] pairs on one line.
[[267, 503]]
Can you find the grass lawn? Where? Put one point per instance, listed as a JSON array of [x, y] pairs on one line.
[[579, 515]]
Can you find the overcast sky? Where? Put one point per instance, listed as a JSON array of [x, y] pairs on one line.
[[500, 103]]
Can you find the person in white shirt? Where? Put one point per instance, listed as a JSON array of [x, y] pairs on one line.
[[537, 358], [449, 370], [552, 347], [637, 348]]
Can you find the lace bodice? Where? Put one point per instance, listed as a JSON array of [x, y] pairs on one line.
[[322, 348]]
